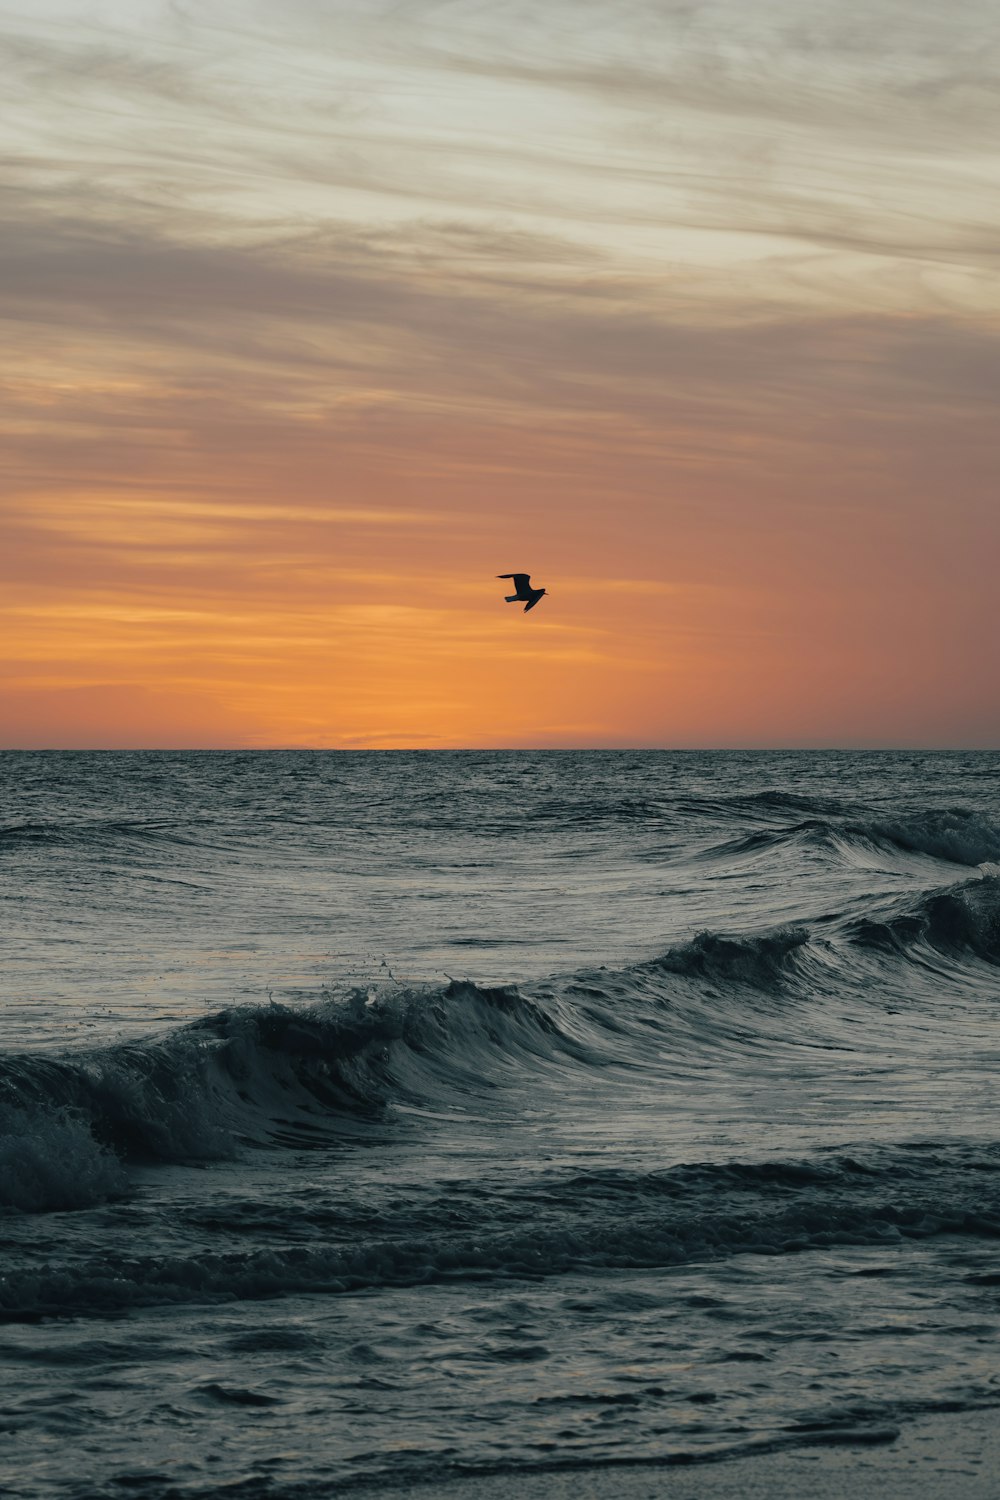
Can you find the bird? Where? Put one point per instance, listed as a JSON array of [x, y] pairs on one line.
[[523, 592]]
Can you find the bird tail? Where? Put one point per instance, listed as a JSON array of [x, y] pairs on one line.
[[511, 598]]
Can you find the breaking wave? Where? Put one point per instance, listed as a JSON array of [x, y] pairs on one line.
[[247, 1076], [72, 1124], [258, 1076], [759, 961], [954, 834], [961, 920], [252, 1075]]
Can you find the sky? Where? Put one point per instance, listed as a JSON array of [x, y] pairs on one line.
[[319, 316]]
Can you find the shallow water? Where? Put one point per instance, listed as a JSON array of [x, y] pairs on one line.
[[372, 1117]]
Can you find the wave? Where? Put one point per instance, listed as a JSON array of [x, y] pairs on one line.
[[593, 812], [248, 1076], [100, 835], [601, 1220], [962, 919], [792, 801], [813, 833], [953, 835], [50, 1159], [756, 960], [70, 1125], [255, 1075]]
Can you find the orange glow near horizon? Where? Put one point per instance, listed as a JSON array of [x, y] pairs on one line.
[[287, 387]]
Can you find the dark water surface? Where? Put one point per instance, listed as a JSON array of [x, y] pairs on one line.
[[373, 1117]]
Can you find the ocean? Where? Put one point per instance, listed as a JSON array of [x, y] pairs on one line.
[[379, 1118]]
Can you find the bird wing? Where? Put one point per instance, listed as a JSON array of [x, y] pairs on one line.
[[537, 595], [522, 582]]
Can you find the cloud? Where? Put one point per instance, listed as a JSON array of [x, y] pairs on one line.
[[343, 305], [862, 129], [863, 66], [314, 324]]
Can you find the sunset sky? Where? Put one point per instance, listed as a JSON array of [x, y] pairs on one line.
[[319, 315]]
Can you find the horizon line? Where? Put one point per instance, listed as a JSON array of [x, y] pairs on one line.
[[824, 749]]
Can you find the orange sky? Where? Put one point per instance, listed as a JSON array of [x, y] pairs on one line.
[[314, 326]]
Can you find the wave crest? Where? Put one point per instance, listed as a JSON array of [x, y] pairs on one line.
[[757, 960], [960, 919], [955, 834], [226, 1080]]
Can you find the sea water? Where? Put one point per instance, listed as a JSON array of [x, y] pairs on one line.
[[383, 1117]]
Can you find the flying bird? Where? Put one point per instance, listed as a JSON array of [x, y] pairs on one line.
[[523, 592]]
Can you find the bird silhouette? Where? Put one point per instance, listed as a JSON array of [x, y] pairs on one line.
[[523, 592]]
